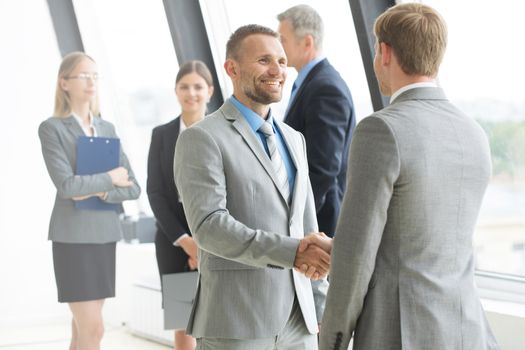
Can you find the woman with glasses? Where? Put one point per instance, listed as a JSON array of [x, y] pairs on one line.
[[175, 248], [84, 240]]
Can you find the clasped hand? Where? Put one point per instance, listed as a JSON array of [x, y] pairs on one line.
[[313, 256]]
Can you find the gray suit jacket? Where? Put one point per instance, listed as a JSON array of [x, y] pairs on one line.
[[402, 273], [246, 233], [58, 137]]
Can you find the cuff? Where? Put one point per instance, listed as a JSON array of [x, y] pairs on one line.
[[285, 255], [177, 242]]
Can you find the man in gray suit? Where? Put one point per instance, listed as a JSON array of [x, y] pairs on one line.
[[402, 273], [243, 178]]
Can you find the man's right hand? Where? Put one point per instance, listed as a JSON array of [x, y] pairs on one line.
[[313, 256], [319, 239]]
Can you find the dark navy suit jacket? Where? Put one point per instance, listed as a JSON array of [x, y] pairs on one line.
[[323, 112]]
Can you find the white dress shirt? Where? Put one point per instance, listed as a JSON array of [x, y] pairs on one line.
[[412, 86], [89, 128], [181, 129]]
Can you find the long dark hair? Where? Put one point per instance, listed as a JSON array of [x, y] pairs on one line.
[[195, 66]]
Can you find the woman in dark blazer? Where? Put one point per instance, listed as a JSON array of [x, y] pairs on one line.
[[175, 248], [84, 241]]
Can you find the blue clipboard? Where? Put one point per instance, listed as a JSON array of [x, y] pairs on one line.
[[97, 155]]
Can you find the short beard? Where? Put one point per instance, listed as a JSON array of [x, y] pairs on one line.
[[258, 95]]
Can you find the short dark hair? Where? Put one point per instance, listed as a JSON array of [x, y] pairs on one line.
[[234, 43], [195, 66]]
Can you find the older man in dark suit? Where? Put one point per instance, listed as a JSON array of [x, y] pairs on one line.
[[321, 108]]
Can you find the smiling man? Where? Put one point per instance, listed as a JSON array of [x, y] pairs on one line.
[[243, 178]]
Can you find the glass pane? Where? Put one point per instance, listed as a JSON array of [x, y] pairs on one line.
[[222, 18], [29, 59], [131, 42], [480, 75]]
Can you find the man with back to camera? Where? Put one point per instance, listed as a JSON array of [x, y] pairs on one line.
[[321, 108], [402, 273], [243, 178]]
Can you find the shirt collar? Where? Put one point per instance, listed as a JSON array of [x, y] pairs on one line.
[[254, 120], [91, 125], [412, 86], [79, 120], [182, 126], [301, 76]]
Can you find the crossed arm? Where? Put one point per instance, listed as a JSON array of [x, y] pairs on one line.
[[114, 186], [119, 178]]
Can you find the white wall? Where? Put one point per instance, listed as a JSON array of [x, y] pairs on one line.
[[508, 329]]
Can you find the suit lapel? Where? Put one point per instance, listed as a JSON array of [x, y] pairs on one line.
[[103, 129], [73, 127], [170, 138], [302, 88], [241, 125]]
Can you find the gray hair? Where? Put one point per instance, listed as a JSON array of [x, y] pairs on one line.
[[305, 21]]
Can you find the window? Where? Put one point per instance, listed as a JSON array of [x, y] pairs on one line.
[[481, 74], [131, 42], [30, 60]]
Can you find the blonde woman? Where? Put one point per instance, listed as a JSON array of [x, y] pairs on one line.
[[175, 248], [84, 241]]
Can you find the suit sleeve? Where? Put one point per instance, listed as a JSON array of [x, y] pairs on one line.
[[61, 171], [157, 190], [373, 169], [328, 113], [120, 194], [200, 178]]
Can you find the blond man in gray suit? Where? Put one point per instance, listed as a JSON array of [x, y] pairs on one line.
[[402, 272], [243, 179]]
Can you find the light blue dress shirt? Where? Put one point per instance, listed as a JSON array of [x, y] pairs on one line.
[[255, 122]]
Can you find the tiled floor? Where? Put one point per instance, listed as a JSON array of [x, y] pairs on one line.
[[56, 337]]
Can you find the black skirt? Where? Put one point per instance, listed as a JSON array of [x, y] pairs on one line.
[[170, 258], [84, 271]]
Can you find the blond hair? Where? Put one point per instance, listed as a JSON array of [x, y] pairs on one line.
[[417, 34], [62, 99]]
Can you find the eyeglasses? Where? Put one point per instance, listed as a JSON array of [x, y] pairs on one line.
[[84, 76]]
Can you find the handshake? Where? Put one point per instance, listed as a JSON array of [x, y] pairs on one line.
[[313, 256]]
